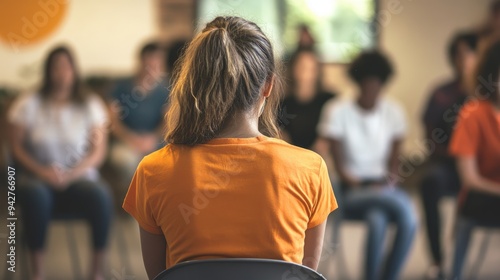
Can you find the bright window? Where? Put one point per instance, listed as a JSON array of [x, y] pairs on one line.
[[341, 28]]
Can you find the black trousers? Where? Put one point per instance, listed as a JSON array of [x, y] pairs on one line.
[[440, 179]]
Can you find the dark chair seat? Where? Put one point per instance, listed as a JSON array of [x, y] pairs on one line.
[[239, 269]]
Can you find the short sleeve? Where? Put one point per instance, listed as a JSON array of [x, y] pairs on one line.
[[137, 203], [22, 110], [465, 137], [398, 120], [97, 111], [330, 124], [324, 200]]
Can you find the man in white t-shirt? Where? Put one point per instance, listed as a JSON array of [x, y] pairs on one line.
[[365, 135]]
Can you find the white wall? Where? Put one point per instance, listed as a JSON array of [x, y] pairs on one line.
[[105, 36], [415, 34]]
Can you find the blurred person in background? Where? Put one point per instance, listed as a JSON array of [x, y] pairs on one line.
[[301, 109], [137, 109], [489, 32], [306, 39], [365, 136], [174, 53], [58, 140], [441, 177], [266, 198], [476, 146]]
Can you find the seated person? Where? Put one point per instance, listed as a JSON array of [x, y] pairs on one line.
[[58, 141], [224, 187], [301, 109], [137, 110], [365, 135], [476, 145], [441, 177], [174, 53]]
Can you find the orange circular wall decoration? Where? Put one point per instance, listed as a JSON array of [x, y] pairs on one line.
[[24, 23]]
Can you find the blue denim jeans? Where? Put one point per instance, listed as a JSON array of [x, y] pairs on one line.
[[464, 229], [86, 199], [378, 208]]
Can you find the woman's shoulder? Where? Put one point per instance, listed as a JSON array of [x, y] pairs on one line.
[[25, 109], [474, 109], [27, 98], [25, 102], [94, 100], [157, 157], [325, 96], [291, 155], [475, 103], [339, 105], [392, 107], [390, 102]]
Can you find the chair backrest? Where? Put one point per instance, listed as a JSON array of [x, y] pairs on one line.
[[240, 269]]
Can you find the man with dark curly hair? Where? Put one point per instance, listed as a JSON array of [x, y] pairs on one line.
[[365, 135]]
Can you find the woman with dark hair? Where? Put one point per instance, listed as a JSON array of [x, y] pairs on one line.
[[58, 140], [300, 111], [476, 146], [224, 187], [365, 136]]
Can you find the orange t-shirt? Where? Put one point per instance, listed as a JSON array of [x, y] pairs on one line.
[[231, 197], [477, 133]]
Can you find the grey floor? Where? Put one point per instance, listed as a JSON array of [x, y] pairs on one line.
[[343, 258]]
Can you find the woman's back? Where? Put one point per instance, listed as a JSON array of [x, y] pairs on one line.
[[220, 188], [231, 197]]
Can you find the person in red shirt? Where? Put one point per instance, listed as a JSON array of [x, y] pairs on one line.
[[476, 145]]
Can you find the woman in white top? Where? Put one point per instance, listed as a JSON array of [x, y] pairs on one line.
[[365, 135], [58, 140]]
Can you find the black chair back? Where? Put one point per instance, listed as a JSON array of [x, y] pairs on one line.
[[239, 269]]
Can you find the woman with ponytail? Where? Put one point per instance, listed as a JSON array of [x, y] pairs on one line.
[[224, 186]]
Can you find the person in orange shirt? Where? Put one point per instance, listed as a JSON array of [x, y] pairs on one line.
[[476, 145], [223, 186]]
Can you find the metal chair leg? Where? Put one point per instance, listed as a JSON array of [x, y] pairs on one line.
[[123, 249], [339, 256], [483, 249], [341, 264], [73, 250]]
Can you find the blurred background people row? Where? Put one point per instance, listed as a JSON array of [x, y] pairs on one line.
[[441, 177], [365, 135], [59, 142], [137, 108]]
